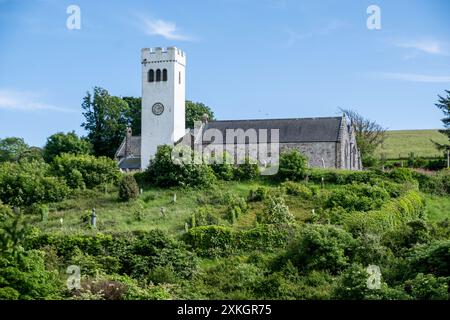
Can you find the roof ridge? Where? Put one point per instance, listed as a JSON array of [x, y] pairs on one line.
[[271, 119]]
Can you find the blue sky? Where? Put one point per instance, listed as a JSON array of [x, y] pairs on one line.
[[245, 58]]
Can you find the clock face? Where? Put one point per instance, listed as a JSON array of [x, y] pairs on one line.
[[158, 108]]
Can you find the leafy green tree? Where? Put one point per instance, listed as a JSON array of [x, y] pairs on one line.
[[85, 170], [322, 247], [292, 166], [27, 182], [444, 105], [134, 116], [60, 143], [12, 148], [195, 112], [369, 135], [128, 188], [106, 118]]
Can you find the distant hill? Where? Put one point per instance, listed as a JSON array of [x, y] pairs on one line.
[[400, 143]]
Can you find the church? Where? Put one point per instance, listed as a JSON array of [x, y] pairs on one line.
[[327, 142]]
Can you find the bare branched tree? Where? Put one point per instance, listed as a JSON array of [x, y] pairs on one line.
[[369, 134]]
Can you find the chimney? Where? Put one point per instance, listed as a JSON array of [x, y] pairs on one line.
[[128, 142]]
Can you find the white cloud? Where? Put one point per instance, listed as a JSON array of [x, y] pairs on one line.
[[25, 101], [427, 46], [166, 29], [413, 77]]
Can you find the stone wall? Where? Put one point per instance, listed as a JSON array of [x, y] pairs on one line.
[[315, 152]]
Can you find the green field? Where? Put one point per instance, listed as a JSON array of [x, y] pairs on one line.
[[400, 143]]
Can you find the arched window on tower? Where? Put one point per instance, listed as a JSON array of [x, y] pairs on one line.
[[151, 75], [158, 75], [164, 74]]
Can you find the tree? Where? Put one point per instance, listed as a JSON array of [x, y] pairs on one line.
[[12, 148], [106, 121], [134, 116], [292, 166], [195, 112], [369, 134], [444, 105], [60, 143]]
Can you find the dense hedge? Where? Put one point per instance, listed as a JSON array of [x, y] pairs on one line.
[[219, 240], [88, 171], [26, 183], [392, 215]]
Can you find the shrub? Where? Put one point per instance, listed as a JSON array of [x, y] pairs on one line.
[[427, 287], [25, 183], [276, 212], [128, 188], [358, 197], [166, 171], [292, 166], [222, 167], [321, 247], [202, 217], [297, 189], [259, 194], [215, 241], [95, 171], [246, 171], [29, 277], [431, 258], [390, 216], [401, 175]]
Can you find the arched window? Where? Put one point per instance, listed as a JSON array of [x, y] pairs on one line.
[[164, 74], [151, 75], [158, 75]]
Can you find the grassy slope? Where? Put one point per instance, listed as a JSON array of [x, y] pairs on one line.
[[116, 216], [399, 143], [438, 208]]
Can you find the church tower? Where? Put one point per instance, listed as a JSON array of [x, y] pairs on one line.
[[163, 99]]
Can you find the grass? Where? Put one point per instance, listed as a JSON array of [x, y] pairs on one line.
[[438, 207], [400, 143]]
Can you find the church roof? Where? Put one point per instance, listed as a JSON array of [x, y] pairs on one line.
[[135, 147], [326, 129]]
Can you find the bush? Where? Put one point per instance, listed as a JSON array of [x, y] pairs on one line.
[[401, 175], [95, 171], [25, 183], [276, 212], [292, 166], [166, 171], [215, 241], [28, 277], [222, 167], [246, 171], [297, 189], [358, 197], [259, 194], [431, 258], [128, 188], [427, 287], [202, 217], [321, 247]]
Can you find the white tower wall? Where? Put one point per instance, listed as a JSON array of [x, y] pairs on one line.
[[169, 126]]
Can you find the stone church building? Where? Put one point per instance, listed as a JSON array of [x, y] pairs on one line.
[[327, 142]]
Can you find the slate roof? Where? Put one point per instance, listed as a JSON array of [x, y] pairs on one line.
[[133, 163], [325, 129], [135, 147]]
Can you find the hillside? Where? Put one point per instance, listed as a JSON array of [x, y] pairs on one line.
[[400, 143]]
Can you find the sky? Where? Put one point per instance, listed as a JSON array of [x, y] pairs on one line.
[[246, 59]]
